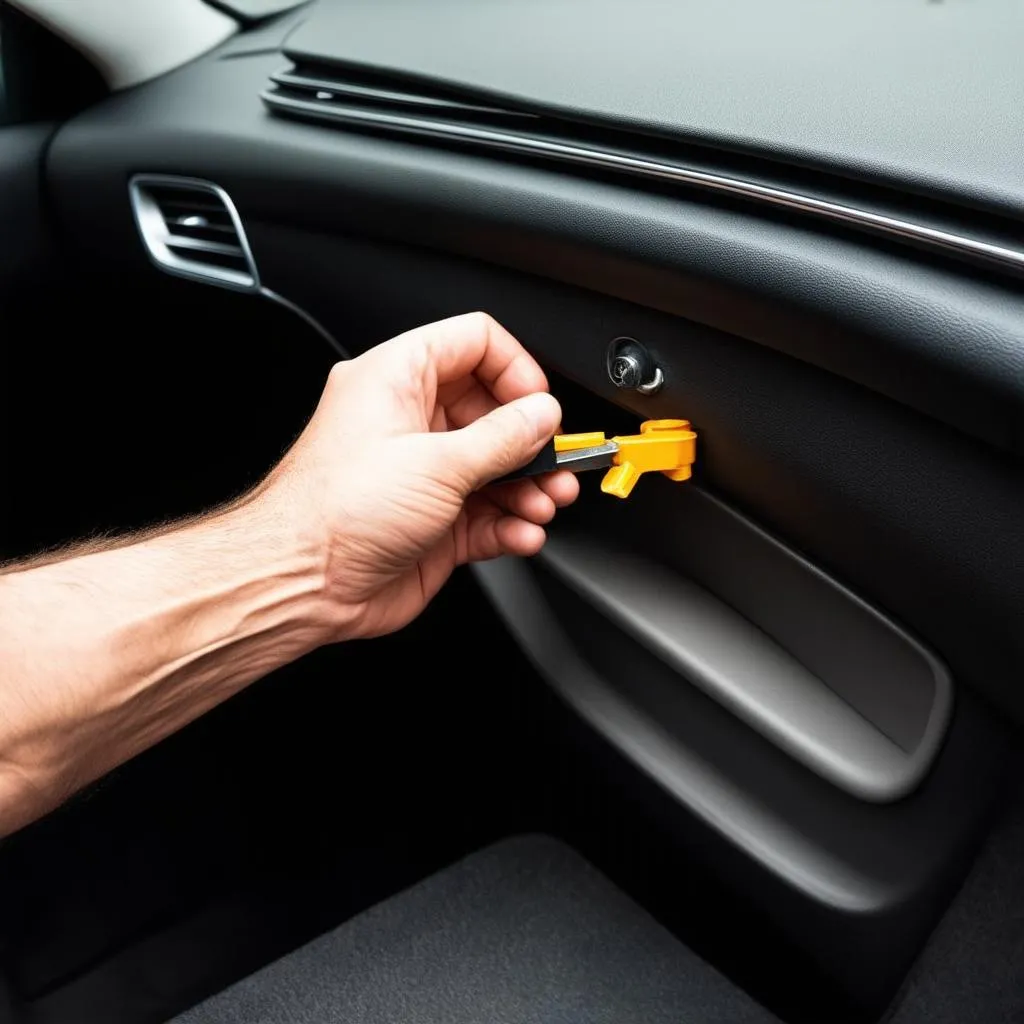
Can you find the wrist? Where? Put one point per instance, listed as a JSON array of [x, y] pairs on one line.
[[282, 581]]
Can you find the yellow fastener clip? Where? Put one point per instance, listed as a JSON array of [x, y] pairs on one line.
[[664, 446]]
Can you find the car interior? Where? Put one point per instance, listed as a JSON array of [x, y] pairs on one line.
[[738, 748]]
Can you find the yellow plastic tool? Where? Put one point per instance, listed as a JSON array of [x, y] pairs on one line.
[[662, 446]]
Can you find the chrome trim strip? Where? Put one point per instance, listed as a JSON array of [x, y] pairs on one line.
[[158, 238], [202, 245], [960, 245], [346, 90]]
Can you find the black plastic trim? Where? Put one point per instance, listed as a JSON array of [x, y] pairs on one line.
[[758, 628]]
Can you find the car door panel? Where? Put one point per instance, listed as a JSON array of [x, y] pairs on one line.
[[823, 862], [846, 477]]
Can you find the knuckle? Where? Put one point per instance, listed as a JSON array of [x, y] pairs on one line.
[[480, 322], [500, 444], [525, 431], [418, 360], [516, 435], [337, 372], [510, 455]]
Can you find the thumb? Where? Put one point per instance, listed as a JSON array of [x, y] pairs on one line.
[[503, 440]]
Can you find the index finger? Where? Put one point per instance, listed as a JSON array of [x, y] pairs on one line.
[[476, 344]]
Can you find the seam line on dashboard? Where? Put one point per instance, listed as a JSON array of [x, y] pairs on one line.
[[920, 234]]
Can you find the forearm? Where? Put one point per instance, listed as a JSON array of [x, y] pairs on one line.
[[106, 653]]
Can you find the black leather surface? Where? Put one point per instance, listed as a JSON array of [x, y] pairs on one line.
[[926, 95]]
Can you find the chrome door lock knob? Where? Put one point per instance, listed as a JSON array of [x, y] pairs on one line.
[[631, 367]]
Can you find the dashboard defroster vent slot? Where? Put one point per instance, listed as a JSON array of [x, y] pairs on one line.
[[191, 228]]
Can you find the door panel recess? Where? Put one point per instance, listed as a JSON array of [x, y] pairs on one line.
[[786, 648]]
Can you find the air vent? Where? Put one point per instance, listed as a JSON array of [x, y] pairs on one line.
[[191, 228]]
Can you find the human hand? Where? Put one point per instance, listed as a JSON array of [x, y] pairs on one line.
[[386, 478]]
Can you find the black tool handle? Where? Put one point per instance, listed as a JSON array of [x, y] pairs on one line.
[[545, 461]]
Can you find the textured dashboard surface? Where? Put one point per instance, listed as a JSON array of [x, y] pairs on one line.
[[925, 95]]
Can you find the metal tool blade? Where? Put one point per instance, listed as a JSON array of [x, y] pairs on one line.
[[578, 460]]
